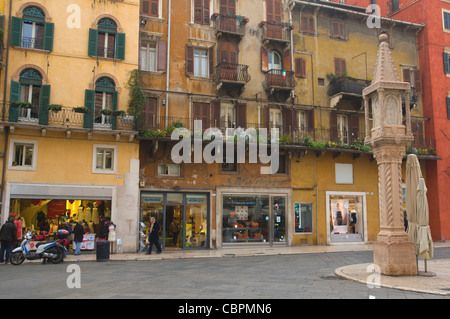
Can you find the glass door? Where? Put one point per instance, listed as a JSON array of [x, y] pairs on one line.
[[278, 219], [173, 229]]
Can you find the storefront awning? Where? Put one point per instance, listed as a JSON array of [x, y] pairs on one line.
[[61, 192]]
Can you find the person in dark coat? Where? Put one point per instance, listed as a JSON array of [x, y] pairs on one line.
[[153, 236], [78, 233], [8, 236]]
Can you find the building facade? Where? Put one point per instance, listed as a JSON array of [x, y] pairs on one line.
[[69, 153]]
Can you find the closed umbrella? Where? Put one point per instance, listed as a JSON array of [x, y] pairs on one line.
[[424, 239], [413, 174]]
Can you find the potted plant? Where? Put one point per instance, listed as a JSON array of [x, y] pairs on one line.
[[119, 113], [55, 107], [25, 105], [80, 109], [105, 112]]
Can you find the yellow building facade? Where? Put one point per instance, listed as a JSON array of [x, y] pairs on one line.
[[69, 147]]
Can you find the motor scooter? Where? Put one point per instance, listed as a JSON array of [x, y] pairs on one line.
[[52, 251]]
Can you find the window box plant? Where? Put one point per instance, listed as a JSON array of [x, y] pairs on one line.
[[80, 109], [119, 113], [55, 107], [106, 112], [24, 105]]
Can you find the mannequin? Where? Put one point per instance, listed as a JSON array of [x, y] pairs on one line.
[[88, 214], [112, 238], [80, 213], [95, 217]]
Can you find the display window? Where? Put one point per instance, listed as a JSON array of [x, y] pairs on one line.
[[303, 218], [346, 218], [253, 218], [46, 216], [183, 219]]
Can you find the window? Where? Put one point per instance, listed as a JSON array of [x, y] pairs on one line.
[[282, 168], [274, 10], [344, 173], [448, 107], [23, 154], [169, 170], [228, 6], [227, 116], [201, 12], [30, 89], [274, 61], [150, 113], [101, 103], [201, 112], [446, 62], [300, 68], [150, 8], [342, 124], [308, 24], [337, 30], [199, 61], [446, 17], [413, 77], [275, 118], [230, 167], [302, 121], [148, 56], [105, 41], [31, 31], [340, 67], [105, 159], [303, 217], [394, 5]]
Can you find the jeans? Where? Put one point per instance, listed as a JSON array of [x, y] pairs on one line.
[[6, 247], [77, 248]]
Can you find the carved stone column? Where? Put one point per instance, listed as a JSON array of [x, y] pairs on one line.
[[393, 252]]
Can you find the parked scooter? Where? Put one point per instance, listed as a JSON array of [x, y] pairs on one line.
[[51, 251]]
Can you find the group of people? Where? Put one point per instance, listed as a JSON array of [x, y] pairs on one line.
[[8, 237]]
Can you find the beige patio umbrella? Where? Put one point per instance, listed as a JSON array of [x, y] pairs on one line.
[[413, 174], [424, 239]]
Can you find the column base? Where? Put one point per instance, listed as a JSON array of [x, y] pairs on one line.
[[395, 258]]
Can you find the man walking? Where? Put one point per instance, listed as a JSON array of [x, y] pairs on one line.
[[8, 236], [153, 237]]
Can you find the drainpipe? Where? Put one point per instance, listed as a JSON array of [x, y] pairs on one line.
[[168, 62]]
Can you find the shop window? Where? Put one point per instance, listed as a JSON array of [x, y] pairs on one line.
[[344, 173], [23, 154], [303, 218], [173, 170], [31, 31], [105, 159], [105, 41]]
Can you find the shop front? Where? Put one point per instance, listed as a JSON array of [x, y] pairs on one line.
[[183, 219], [249, 217], [346, 217]]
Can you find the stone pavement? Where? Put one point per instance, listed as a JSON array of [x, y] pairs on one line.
[[435, 281]]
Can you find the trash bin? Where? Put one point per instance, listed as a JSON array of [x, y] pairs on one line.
[[102, 250]]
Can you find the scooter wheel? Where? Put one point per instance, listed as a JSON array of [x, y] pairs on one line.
[[59, 256], [17, 258]]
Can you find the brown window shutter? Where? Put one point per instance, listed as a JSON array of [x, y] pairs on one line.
[[212, 67], [198, 11], [241, 115], [149, 113], [264, 60], [288, 117], [154, 8], [310, 121], [333, 126], [189, 60], [417, 82], [216, 113], [206, 12], [278, 10], [145, 7], [270, 10], [407, 75], [341, 30], [267, 118], [300, 68], [287, 60], [312, 26], [337, 67], [162, 55], [354, 127]]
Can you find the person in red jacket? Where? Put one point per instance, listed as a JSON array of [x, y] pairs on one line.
[[8, 236]]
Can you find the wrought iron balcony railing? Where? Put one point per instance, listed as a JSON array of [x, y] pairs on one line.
[[279, 79], [231, 25], [275, 32], [234, 73], [344, 84]]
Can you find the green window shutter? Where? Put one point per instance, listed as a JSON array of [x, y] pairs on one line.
[[448, 108], [89, 100], [446, 63], [114, 108], [49, 30], [93, 37], [16, 31], [43, 104], [14, 97], [120, 46]]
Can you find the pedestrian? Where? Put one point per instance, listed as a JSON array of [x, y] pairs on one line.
[[153, 236], [174, 230], [8, 237], [78, 232]]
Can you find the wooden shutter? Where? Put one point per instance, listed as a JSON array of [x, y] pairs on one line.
[[212, 67], [215, 104], [354, 127], [417, 82], [264, 60], [241, 115], [14, 97], [206, 12], [89, 101], [267, 118], [333, 126], [288, 120], [287, 60], [448, 108], [446, 63], [115, 103], [16, 31], [198, 11], [277, 10], [43, 104], [189, 60], [228, 6], [270, 10], [49, 30], [154, 8], [339, 67], [93, 38], [145, 7], [162, 55], [120, 46], [310, 125], [149, 113], [300, 68], [407, 75]]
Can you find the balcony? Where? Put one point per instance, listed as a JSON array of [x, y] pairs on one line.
[[276, 32], [279, 84], [348, 88], [228, 25], [231, 78]]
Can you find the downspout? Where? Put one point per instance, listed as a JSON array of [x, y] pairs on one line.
[[168, 62]]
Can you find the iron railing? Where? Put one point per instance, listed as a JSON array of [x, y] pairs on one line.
[[275, 32], [229, 25], [230, 72], [280, 79], [344, 84]]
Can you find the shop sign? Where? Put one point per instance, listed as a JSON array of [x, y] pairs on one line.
[[152, 200]]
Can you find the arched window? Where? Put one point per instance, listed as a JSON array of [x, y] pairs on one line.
[[101, 103], [31, 31], [275, 61], [35, 98], [105, 41]]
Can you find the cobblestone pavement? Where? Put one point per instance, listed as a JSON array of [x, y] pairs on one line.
[[259, 277]]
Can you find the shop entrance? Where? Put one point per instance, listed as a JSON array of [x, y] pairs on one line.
[[254, 219], [183, 219]]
